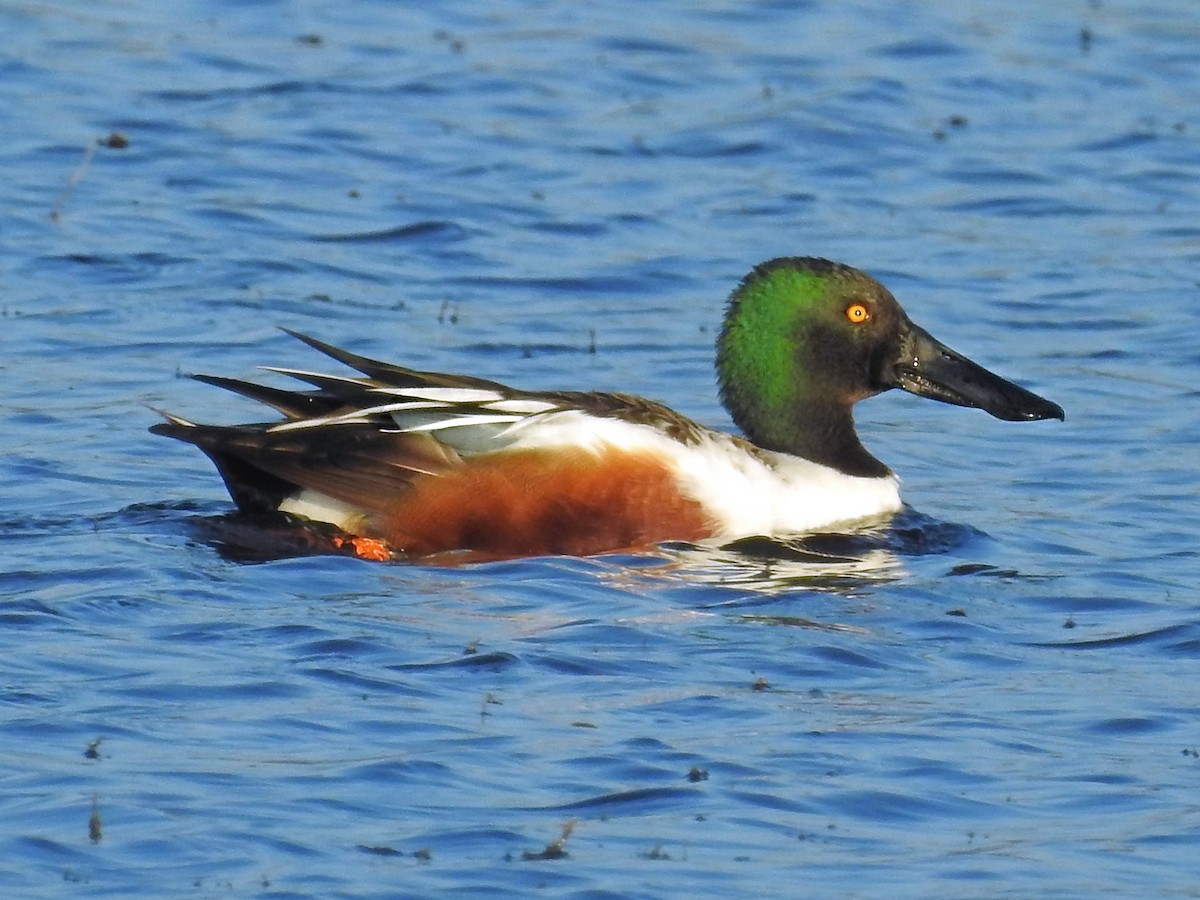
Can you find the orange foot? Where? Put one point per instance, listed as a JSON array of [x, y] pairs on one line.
[[364, 547]]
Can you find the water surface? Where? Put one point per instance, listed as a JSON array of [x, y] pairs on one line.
[[996, 697]]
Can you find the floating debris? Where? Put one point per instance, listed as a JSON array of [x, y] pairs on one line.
[[95, 831], [379, 850], [555, 849]]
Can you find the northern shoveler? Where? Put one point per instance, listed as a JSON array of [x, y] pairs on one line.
[[412, 464]]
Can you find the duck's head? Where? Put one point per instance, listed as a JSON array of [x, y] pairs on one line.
[[805, 339]]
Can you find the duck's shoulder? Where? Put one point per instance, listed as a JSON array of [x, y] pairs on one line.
[[631, 409]]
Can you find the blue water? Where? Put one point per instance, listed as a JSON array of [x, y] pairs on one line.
[[997, 697]]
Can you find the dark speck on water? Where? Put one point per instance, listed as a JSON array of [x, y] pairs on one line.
[[987, 697]]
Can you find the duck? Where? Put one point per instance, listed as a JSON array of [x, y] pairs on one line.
[[392, 463]]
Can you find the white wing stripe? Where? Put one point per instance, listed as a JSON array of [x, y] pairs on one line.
[[445, 395], [523, 407], [349, 419], [304, 374], [464, 421]]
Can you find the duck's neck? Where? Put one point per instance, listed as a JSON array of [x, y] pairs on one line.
[[822, 433]]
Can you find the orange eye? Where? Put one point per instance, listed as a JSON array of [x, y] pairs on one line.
[[857, 313]]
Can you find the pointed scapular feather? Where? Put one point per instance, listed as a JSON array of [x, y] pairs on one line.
[[293, 404], [392, 374]]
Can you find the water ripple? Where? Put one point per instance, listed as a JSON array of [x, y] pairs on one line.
[[988, 696], [443, 231]]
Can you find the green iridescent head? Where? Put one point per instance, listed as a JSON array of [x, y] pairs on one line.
[[805, 339]]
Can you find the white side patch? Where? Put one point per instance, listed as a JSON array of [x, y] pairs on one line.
[[323, 508]]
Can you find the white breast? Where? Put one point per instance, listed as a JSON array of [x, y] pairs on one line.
[[779, 494]]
